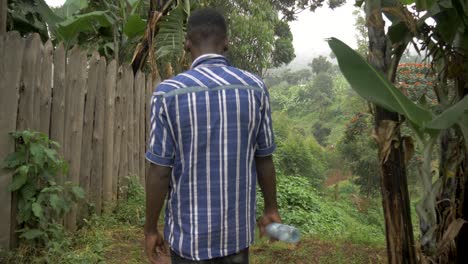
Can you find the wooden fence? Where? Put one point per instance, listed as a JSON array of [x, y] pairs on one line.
[[96, 110]]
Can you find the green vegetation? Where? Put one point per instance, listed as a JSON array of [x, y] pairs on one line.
[[42, 201], [333, 231]]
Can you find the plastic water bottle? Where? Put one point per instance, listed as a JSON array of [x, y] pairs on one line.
[[285, 233]]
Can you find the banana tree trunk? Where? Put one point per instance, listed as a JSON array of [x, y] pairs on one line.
[[158, 8], [3, 16], [462, 190], [394, 187]]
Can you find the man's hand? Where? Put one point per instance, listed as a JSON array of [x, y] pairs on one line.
[[266, 219], [154, 246]]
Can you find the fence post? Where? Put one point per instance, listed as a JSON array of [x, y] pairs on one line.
[[109, 117], [3, 16], [11, 52]]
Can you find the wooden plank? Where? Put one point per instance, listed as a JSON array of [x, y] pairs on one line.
[[30, 72], [3, 16], [124, 157], [88, 125], [98, 140], [141, 124], [109, 117], [28, 105], [131, 125], [11, 54], [117, 134], [76, 70], [148, 94], [57, 120], [136, 122], [45, 89]]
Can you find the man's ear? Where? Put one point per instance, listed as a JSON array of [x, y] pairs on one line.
[[188, 45], [226, 45]]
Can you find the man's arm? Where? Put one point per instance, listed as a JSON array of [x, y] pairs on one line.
[[157, 186], [267, 180]]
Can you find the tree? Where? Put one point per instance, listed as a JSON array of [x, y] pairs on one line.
[[283, 52], [321, 65], [258, 39], [442, 211], [362, 38], [359, 151], [290, 8]]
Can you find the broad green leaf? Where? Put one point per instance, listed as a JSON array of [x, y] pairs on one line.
[[32, 234], [373, 86], [448, 24], [73, 6], [15, 159], [71, 27], [55, 202], [464, 128], [51, 154], [28, 191], [407, 2], [37, 153], [78, 192], [135, 26], [450, 116], [423, 5], [398, 32], [48, 15], [19, 179], [37, 210], [170, 39]]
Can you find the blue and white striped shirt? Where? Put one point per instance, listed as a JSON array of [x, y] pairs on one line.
[[208, 124]]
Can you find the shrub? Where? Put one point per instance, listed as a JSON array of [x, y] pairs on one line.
[[42, 202], [302, 156], [131, 209]]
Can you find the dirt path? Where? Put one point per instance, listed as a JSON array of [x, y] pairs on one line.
[[126, 247]]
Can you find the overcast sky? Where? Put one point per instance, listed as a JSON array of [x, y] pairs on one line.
[[311, 29]]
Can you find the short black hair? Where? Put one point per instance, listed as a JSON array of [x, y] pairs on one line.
[[206, 24]]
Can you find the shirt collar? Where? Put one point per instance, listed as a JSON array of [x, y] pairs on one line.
[[210, 59]]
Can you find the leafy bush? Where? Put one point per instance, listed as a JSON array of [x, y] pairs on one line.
[[131, 210], [301, 156], [359, 151], [42, 202], [314, 213]]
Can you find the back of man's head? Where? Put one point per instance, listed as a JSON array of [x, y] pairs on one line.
[[206, 26]]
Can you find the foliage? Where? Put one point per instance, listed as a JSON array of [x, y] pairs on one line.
[[321, 64], [290, 8], [41, 200], [440, 40], [358, 150], [416, 81], [109, 26], [99, 235], [298, 155], [131, 209], [258, 39], [362, 38], [301, 205], [290, 77], [24, 16]]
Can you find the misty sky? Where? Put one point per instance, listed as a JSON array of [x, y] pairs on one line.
[[311, 29]]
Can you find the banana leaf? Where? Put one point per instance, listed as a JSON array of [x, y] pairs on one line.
[[369, 83]]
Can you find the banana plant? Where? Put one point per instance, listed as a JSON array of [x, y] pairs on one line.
[[374, 87]]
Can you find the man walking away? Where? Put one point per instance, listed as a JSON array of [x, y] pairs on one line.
[[211, 140]]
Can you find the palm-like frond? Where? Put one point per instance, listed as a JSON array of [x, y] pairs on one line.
[[170, 39]]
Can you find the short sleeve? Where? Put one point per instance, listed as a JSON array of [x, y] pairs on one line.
[[265, 137], [161, 144]]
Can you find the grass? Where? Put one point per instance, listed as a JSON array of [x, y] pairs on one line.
[[117, 237]]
